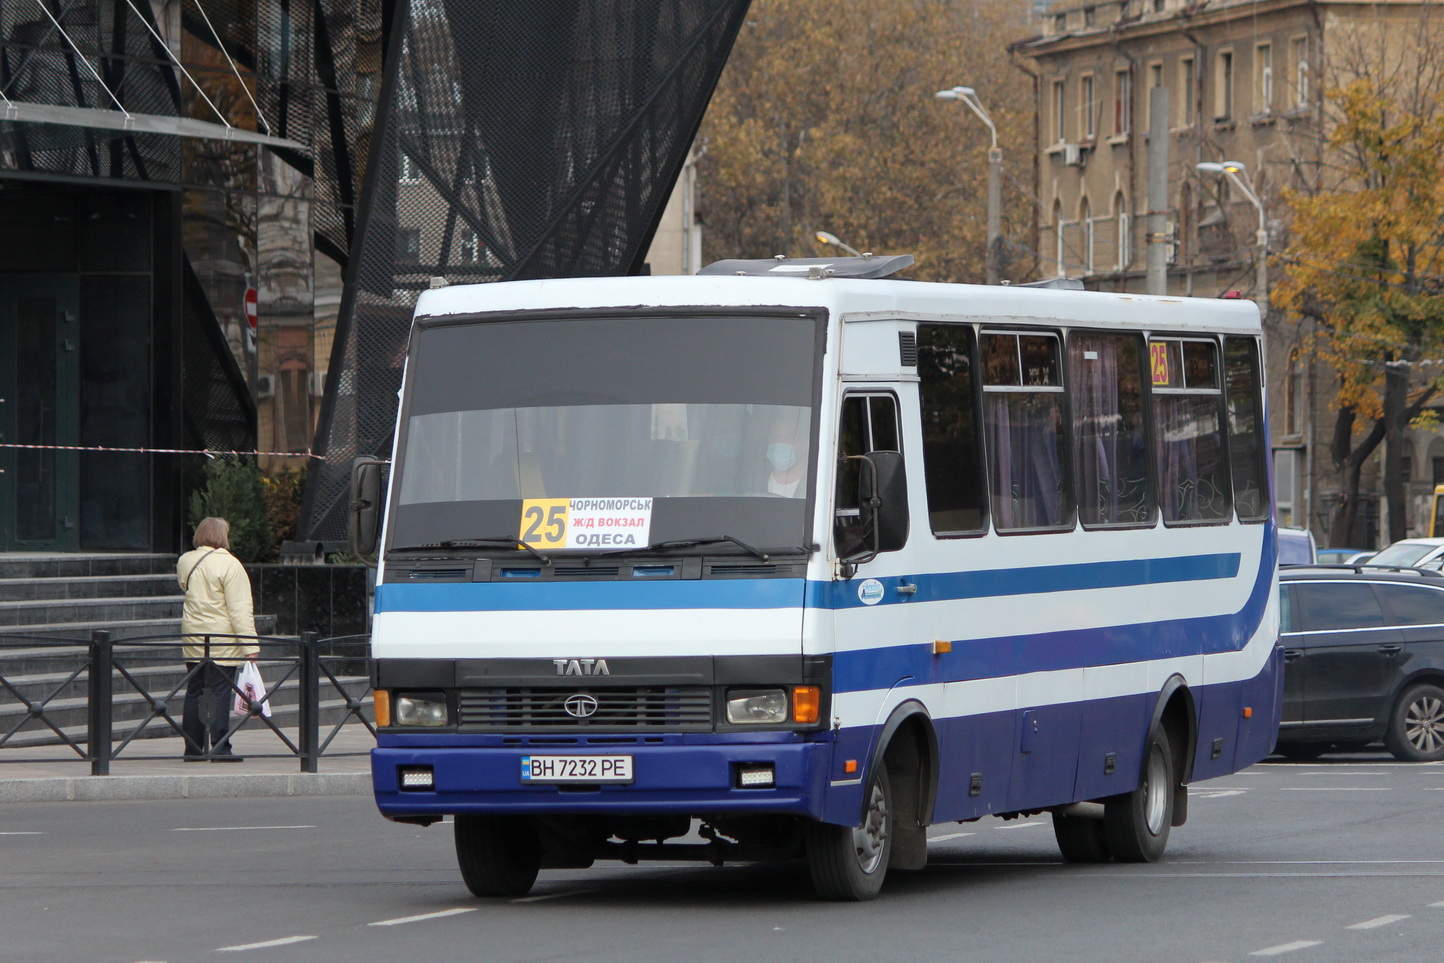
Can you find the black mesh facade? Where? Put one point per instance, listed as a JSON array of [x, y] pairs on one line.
[[516, 140]]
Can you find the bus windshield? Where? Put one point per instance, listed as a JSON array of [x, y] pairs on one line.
[[712, 419]]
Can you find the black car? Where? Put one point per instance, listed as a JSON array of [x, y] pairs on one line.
[[1363, 660]]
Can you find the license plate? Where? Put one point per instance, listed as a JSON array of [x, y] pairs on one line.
[[576, 768]]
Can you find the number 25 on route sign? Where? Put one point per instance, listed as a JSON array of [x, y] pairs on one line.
[[544, 522], [1158, 354]]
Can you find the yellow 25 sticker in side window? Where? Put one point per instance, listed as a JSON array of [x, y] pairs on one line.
[[586, 522], [1158, 355]]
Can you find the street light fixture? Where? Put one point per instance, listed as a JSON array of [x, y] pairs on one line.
[[1236, 172], [826, 237], [995, 173]]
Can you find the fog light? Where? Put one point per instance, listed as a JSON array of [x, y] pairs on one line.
[[415, 778], [755, 777]]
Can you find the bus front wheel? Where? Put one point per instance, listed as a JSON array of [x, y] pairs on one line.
[[1136, 823], [498, 855], [849, 863]]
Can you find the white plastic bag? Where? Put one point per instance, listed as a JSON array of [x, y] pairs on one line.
[[252, 689]]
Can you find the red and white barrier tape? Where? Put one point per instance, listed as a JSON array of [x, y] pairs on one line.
[[165, 451]]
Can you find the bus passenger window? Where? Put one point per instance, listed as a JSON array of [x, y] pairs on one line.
[[1110, 438], [1245, 431], [868, 424], [1028, 483], [1192, 481], [952, 445]]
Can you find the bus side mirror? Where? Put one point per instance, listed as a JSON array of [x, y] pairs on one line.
[[364, 526], [885, 507]]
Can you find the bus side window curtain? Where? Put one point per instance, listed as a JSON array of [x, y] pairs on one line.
[[1023, 423], [1193, 485]]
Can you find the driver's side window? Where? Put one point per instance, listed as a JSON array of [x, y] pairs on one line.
[[869, 423]]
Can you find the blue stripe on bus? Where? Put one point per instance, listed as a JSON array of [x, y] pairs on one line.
[[792, 593], [1001, 656]]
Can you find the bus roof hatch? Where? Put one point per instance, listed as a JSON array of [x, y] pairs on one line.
[[813, 267]]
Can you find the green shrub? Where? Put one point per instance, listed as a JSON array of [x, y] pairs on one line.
[[234, 490]]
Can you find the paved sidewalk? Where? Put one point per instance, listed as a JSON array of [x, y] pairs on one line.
[[153, 769]]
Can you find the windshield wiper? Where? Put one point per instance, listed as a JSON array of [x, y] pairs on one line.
[[689, 542], [495, 540]]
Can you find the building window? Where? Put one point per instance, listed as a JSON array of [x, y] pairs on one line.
[[1090, 16], [408, 245], [407, 173], [1160, 5], [1059, 240], [1085, 104], [1187, 84], [1060, 113], [1125, 241], [1223, 87], [1085, 218], [1122, 101], [1300, 47], [466, 248], [1264, 78], [1436, 465], [1155, 88]]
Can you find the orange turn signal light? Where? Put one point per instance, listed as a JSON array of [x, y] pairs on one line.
[[382, 701], [1248, 712], [850, 766], [942, 646], [806, 704]]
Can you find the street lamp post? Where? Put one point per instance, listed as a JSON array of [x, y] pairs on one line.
[[1234, 171], [995, 174]]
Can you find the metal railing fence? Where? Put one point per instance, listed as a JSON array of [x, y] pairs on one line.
[[146, 677]]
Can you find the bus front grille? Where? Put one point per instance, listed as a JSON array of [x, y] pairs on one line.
[[629, 707]]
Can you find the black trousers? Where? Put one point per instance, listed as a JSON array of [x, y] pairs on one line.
[[207, 714]]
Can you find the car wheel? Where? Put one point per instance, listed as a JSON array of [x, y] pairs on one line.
[[1136, 823], [498, 855], [1416, 727], [849, 863]]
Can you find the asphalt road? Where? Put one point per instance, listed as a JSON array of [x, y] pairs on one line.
[[1331, 861]]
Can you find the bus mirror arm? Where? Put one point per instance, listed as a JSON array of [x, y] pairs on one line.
[[883, 506]]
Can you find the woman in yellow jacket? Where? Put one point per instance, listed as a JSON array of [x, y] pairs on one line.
[[217, 604]]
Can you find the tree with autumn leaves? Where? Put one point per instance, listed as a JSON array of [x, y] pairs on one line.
[[1365, 266], [824, 119]]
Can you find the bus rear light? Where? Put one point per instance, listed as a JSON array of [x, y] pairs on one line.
[[806, 704], [381, 699]]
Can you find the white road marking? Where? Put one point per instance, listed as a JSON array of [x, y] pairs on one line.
[[425, 916], [538, 899], [1017, 825], [227, 829], [938, 839], [1378, 921], [22, 834], [1347, 772], [1286, 947], [283, 941], [1334, 789], [1221, 793], [1438, 905]]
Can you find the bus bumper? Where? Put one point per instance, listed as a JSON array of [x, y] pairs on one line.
[[692, 778]]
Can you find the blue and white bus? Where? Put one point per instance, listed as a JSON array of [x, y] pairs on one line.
[[790, 560]]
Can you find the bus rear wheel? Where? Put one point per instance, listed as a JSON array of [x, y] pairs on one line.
[[848, 863], [1136, 823], [1080, 839], [498, 855]]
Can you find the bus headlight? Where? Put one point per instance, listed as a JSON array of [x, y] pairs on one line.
[[747, 707], [419, 710]]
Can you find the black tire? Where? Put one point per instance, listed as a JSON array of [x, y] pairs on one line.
[[1081, 840], [1136, 823], [848, 863], [1416, 726], [498, 855], [1302, 751]]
